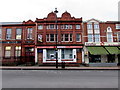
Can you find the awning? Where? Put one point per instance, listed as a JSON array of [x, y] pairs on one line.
[[113, 50], [97, 50]]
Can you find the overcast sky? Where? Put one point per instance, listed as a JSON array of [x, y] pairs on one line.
[[20, 10]]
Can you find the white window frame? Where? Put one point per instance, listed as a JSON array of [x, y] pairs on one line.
[[109, 31], [97, 38], [40, 27], [89, 26], [96, 27], [78, 37], [77, 26], [19, 36], [29, 33], [48, 38], [117, 26], [69, 37], [91, 38]]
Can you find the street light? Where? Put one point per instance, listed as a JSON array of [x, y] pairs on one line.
[[56, 51]]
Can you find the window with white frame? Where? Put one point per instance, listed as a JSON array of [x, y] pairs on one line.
[[109, 35], [17, 51], [8, 33], [29, 33], [18, 33], [90, 38], [51, 54], [77, 26], [51, 37], [78, 37], [66, 26], [7, 51], [96, 26], [66, 53], [66, 37], [97, 37], [52, 26], [117, 26], [118, 36], [89, 26], [40, 27]]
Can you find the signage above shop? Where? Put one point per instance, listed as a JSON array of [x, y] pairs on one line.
[[102, 43], [60, 47]]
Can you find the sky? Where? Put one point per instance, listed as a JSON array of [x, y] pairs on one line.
[[23, 10]]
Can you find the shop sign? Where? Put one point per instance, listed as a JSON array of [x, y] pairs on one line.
[[102, 43]]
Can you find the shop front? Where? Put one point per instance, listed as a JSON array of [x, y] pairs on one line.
[[67, 54], [102, 55]]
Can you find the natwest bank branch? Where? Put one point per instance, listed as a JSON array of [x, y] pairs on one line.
[[102, 54], [67, 54]]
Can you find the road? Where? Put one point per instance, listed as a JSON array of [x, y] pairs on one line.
[[59, 79]]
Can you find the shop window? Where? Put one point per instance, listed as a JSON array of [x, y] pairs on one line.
[[8, 33], [51, 54], [111, 58], [18, 51], [7, 51], [29, 33], [67, 54], [95, 58], [18, 33]]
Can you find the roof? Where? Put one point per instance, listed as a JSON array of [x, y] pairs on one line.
[[10, 23]]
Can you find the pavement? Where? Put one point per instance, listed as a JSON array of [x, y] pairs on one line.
[[54, 68]]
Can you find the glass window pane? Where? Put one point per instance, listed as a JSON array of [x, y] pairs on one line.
[[52, 37], [78, 37], [96, 26], [7, 48], [90, 38], [51, 54], [7, 54], [77, 26], [40, 27], [66, 54], [66, 37], [89, 26], [97, 38]]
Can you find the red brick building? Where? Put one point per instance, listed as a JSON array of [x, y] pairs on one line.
[[92, 42], [36, 41], [69, 39], [102, 42]]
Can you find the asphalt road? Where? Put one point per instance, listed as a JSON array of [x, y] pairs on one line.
[[59, 79]]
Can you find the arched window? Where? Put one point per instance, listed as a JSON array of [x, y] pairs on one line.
[[109, 35]]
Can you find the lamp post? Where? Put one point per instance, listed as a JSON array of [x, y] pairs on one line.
[[56, 50]]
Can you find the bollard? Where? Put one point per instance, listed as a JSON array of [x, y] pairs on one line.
[[63, 65]]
